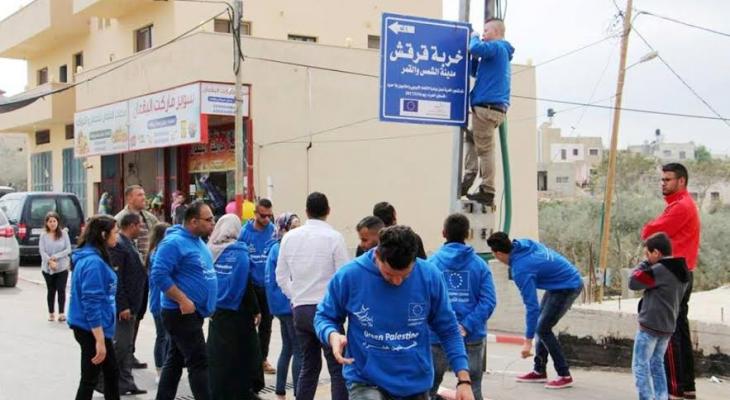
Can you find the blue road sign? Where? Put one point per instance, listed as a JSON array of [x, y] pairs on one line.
[[424, 70]]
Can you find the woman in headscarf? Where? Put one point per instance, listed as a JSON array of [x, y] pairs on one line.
[[234, 357], [280, 307]]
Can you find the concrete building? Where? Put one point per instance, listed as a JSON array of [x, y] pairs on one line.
[[665, 151], [565, 163], [312, 96]]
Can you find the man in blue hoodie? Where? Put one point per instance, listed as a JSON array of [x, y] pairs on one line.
[[490, 99], [472, 296], [391, 301], [259, 235], [183, 270], [535, 266]]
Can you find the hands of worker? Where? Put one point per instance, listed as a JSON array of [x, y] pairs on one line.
[[526, 349], [462, 331], [464, 392], [100, 353], [125, 315], [52, 264], [338, 342], [187, 307]]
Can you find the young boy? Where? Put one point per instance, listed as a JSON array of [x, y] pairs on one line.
[[472, 295], [664, 280]]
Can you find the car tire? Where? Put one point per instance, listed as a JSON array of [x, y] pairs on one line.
[[10, 279]]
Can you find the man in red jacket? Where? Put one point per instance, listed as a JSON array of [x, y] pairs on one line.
[[680, 221]]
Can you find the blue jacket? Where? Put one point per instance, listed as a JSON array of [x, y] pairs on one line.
[[279, 304], [93, 291], [470, 285], [184, 260], [389, 326], [535, 266], [493, 71], [258, 243], [232, 270], [155, 293]]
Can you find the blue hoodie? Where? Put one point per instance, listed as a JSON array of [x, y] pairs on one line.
[[258, 243], [389, 326], [232, 270], [93, 291], [470, 285], [279, 304], [493, 71], [155, 293], [535, 266], [184, 260]]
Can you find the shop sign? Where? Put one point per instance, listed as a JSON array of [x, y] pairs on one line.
[[216, 155], [101, 130], [219, 99], [167, 118]]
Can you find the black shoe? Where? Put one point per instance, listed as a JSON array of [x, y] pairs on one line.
[[132, 392], [482, 197], [139, 365]]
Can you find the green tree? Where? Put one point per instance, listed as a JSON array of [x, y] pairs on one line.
[[702, 154]]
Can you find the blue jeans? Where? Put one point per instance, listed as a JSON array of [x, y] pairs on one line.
[[289, 349], [474, 351], [160, 342], [648, 365], [554, 304]]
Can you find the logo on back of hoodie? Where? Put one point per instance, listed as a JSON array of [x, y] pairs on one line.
[[457, 283]]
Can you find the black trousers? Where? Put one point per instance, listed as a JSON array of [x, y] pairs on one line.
[[90, 372], [186, 348], [679, 359], [266, 320], [56, 284]]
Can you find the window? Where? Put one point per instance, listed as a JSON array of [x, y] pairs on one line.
[[222, 25], [667, 153], [246, 28], [563, 154], [302, 38], [68, 211], [69, 131], [39, 207], [373, 42], [12, 207], [575, 152], [715, 196], [40, 171], [78, 62], [42, 76], [63, 73], [562, 179], [542, 179], [43, 137], [593, 152], [143, 39], [682, 155]]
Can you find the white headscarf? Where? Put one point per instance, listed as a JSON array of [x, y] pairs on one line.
[[224, 234]]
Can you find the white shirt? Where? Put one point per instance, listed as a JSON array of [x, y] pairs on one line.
[[308, 257]]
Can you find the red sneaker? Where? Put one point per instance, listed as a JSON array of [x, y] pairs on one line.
[[532, 377], [561, 383]]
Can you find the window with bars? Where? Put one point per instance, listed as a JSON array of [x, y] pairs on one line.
[[74, 176], [143, 38], [40, 169]]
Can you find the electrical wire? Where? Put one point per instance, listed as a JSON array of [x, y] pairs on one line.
[[684, 82], [571, 52], [676, 21], [296, 64], [593, 92], [293, 140]]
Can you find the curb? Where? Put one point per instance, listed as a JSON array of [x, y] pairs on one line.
[[30, 281], [503, 338]]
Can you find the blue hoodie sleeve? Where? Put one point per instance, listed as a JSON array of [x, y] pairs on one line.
[[526, 283], [93, 294], [481, 48], [331, 313], [487, 301], [165, 262], [442, 321]]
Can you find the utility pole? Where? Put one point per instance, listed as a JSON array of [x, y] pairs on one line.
[[611, 176], [241, 166]]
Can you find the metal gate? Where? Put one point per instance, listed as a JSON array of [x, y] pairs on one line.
[[41, 172], [74, 176]]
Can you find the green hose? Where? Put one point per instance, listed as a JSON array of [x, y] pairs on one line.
[[507, 180]]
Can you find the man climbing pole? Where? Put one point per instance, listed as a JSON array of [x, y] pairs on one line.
[[491, 56]]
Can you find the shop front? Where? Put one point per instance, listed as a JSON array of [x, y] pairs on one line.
[[179, 139]]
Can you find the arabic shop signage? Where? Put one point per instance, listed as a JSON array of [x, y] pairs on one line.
[[424, 70], [168, 118]]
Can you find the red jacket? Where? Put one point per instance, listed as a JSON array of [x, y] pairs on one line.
[[681, 221]]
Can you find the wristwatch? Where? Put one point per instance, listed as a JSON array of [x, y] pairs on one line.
[[463, 382]]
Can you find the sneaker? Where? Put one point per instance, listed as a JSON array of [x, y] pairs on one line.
[[268, 369], [690, 395], [482, 197], [132, 392], [61, 318], [560, 383], [532, 377]]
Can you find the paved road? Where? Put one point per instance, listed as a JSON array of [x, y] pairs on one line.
[[40, 360]]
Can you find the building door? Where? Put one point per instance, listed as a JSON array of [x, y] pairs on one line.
[[74, 177], [112, 181], [41, 172]]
